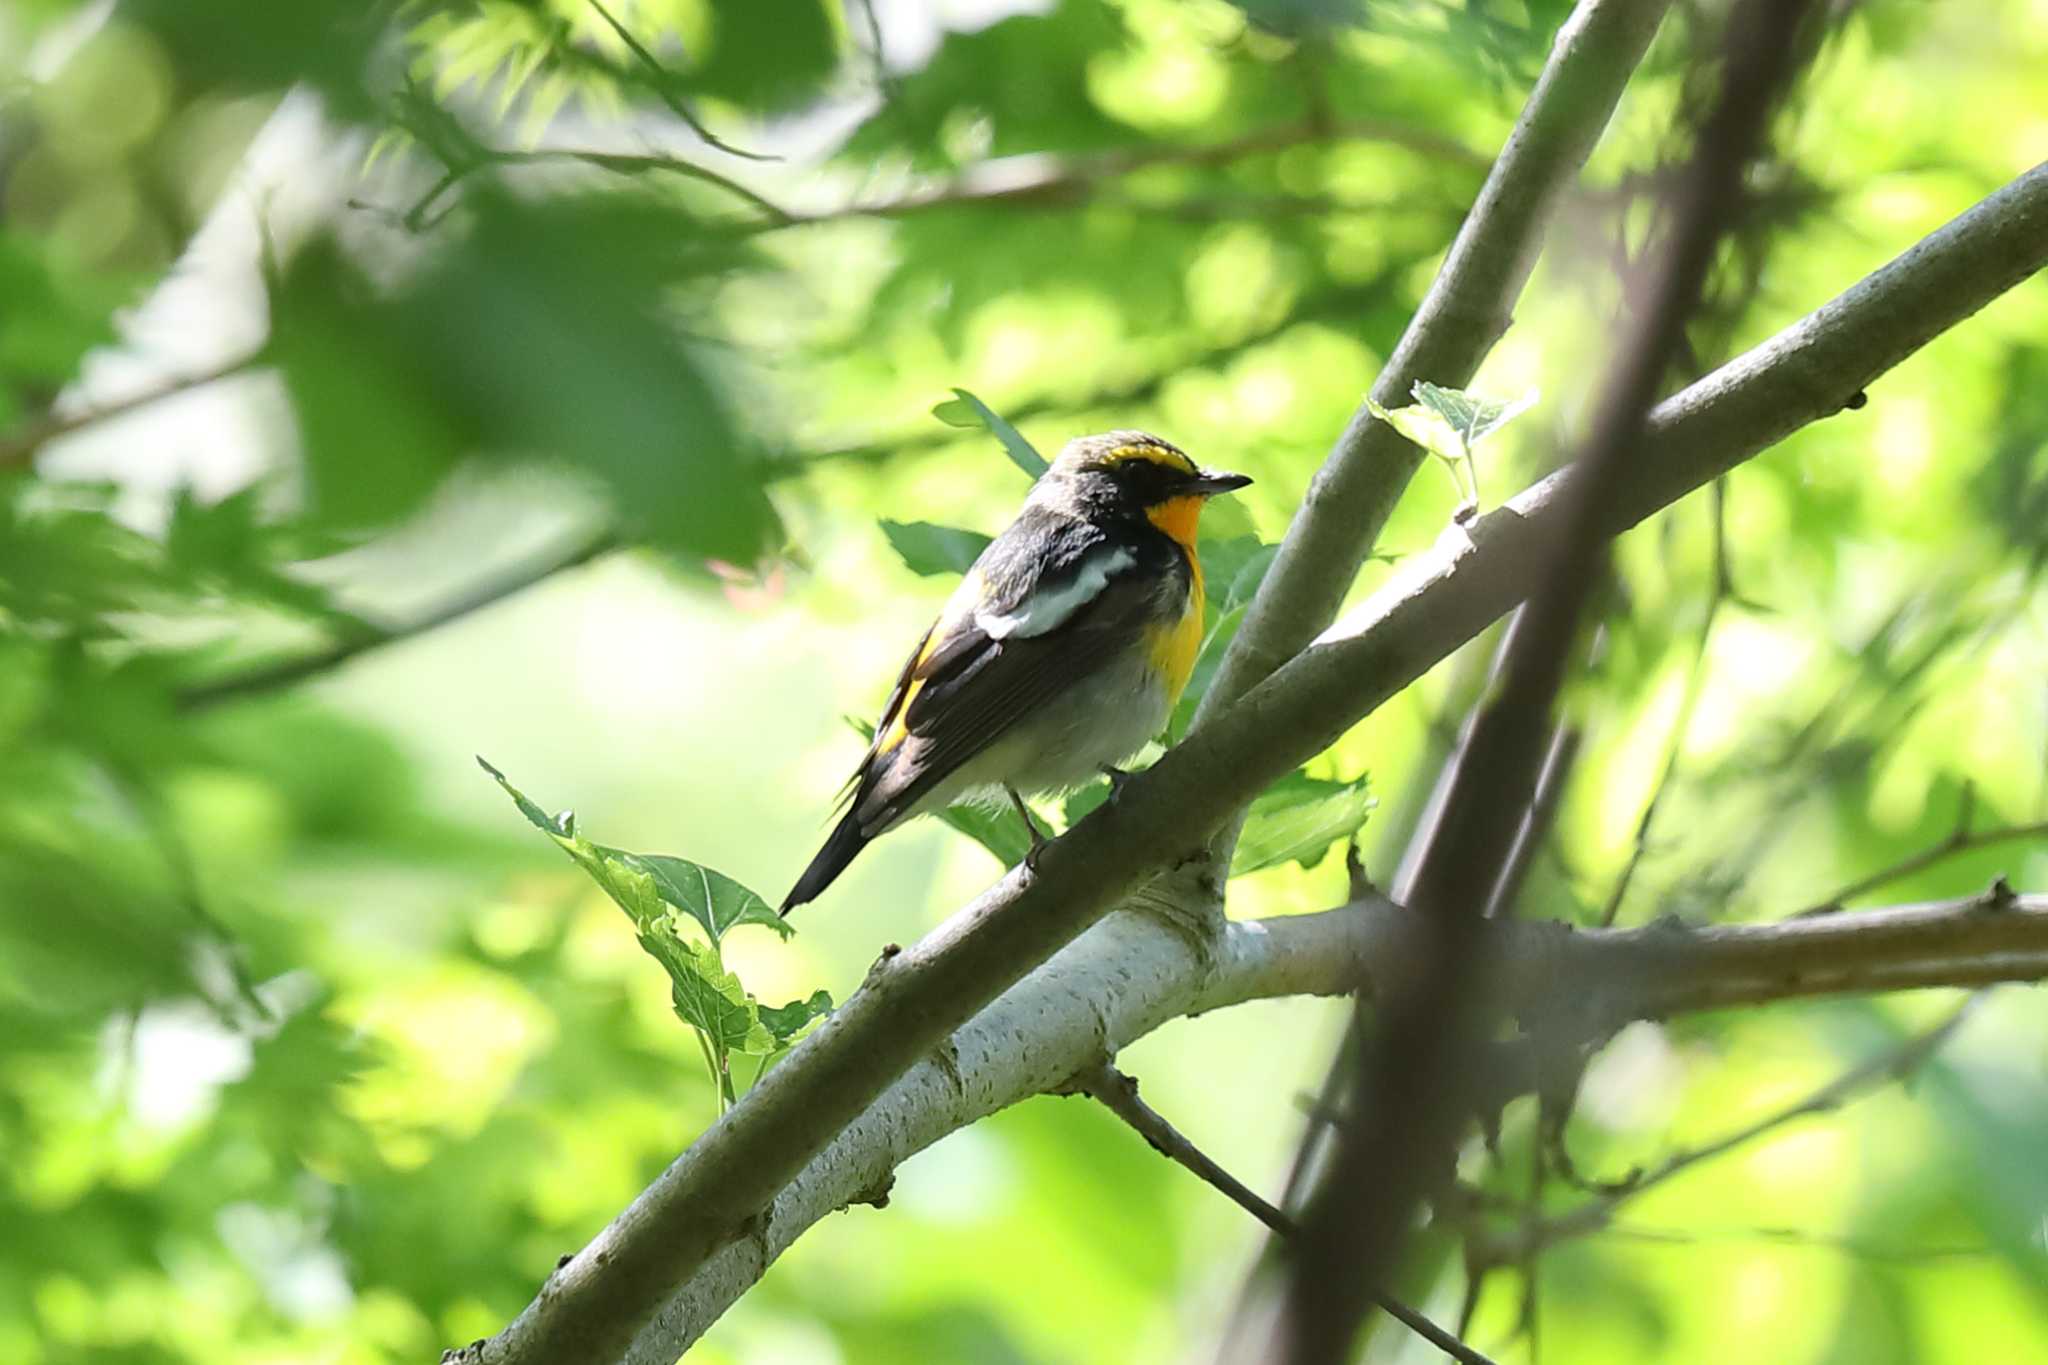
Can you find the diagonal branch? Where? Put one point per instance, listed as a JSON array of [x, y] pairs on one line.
[[721, 1200], [21, 445], [1465, 312], [262, 679], [1485, 1250], [1118, 1093], [1132, 975]]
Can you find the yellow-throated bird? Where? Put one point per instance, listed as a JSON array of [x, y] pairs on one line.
[[1061, 653]]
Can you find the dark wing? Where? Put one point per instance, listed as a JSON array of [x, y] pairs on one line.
[[980, 670], [1048, 602]]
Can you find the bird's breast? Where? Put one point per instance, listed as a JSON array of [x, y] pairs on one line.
[[1175, 643]]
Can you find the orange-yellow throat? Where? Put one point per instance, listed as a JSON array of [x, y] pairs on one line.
[[1175, 645]]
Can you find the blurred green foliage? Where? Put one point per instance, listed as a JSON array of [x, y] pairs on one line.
[[308, 1050]]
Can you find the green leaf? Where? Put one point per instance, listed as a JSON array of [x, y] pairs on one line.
[[784, 1022], [929, 549], [706, 895], [706, 996], [998, 831], [1424, 426], [1233, 570], [1473, 416], [1297, 819], [539, 335], [1449, 422], [647, 885], [965, 410]]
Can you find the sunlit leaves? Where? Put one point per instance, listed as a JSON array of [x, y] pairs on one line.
[[1450, 423], [714, 900], [537, 335], [662, 894]]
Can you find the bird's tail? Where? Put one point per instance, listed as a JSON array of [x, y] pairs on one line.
[[841, 848]]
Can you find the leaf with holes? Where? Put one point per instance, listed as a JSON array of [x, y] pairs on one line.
[[706, 996], [785, 1022]]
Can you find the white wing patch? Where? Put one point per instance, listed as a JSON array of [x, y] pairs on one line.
[[1048, 608]]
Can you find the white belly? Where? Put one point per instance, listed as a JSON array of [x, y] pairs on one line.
[[1098, 722]]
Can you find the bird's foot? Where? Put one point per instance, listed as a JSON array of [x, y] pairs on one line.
[[1117, 778], [1038, 839]]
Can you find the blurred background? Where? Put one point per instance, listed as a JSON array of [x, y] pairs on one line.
[[382, 386]]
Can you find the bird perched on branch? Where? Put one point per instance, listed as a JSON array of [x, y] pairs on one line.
[[1061, 653]]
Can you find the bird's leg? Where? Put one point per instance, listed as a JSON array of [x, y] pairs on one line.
[[1038, 839], [1117, 777]]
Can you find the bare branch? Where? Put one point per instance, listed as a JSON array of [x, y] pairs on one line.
[[21, 446], [1132, 974], [1486, 1249], [1961, 840], [272, 677], [664, 87], [1118, 1093]]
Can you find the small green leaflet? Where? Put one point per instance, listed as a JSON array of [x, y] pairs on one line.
[[1448, 423], [965, 410], [929, 549], [662, 893], [707, 996], [1473, 416], [1297, 819]]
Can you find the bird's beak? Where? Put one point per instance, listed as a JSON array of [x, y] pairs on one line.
[[1209, 482]]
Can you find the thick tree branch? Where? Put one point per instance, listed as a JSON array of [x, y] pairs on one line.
[[1465, 312], [1132, 974], [725, 1196]]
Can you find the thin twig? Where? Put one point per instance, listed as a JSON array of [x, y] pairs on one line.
[[1118, 1093], [1959, 840], [885, 84], [1681, 724], [664, 88], [1596, 1215], [1027, 180], [282, 673], [21, 446], [1795, 1237], [1558, 762]]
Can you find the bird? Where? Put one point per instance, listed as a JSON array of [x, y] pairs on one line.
[[1060, 654]]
